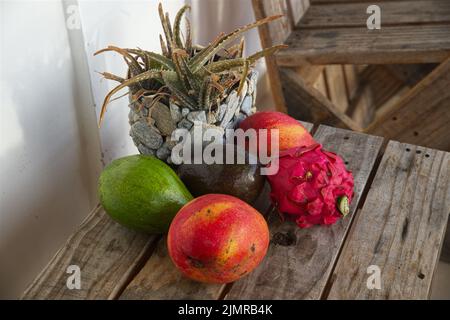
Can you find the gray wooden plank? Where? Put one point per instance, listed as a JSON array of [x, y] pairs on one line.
[[358, 45], [107, 254], [400, 228], [392, 13], [159, 278], [300, 267]]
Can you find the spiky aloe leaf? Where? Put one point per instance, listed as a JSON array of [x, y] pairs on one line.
[[177, 26], [202, 92], [164, 62], [188, 43], [132, 63], [164, 49], [207, 98], [111, 76], [226, 65], [198, 61], [203, 53], [243, 77], [240, 52], [167, 30], [150, 74], [194, 81], [175, 86]]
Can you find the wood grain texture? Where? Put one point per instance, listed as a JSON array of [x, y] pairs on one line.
[[336, 87], [400, 228], [301, 270], [422, 117], [389, 45], [107, 254], [410, 74], [306, 102], [392, 13]]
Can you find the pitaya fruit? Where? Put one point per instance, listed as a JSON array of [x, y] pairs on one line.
[[312, 186]]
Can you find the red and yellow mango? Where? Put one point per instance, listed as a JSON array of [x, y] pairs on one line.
[[291, 133], [217, 239]]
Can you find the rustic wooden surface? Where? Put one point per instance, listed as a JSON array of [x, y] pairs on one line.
[[159, 279], [391, 44], [108, 255], [336, 85], [400, 228], [392, 13], [298, 266], [300, 93], [422, 117]]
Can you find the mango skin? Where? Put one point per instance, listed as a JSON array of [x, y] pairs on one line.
[[142, 193], [217, 238], [291, 133]]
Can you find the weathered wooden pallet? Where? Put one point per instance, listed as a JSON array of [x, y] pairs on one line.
[[397, 222]]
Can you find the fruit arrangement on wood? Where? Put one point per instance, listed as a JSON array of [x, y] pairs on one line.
[[216, 237]]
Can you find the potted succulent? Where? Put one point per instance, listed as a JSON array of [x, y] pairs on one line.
[[214, 85]]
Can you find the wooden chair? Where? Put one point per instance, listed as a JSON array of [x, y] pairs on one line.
[[393, 82]]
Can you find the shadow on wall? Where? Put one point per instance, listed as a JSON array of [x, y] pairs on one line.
[[46, 171]]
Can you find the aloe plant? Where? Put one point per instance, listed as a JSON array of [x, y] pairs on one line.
[[188, 76]]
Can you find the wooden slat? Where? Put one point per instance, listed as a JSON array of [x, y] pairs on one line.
[[336, 87], [108, 256], [422, 117], [410, 74], [381, 82], [389, 45], [361, 107], [400, 228], [392, 13], [320, 85], [301, 270], [159, 279], [306, 102]]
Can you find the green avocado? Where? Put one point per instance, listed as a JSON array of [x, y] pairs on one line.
[[142, 193]]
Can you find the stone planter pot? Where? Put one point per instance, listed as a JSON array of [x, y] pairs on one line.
[[152, 123]]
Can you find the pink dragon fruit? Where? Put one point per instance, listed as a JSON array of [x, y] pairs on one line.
[[312, 186]]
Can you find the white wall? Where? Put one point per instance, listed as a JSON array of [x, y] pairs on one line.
[[49, 154], [129, 24]]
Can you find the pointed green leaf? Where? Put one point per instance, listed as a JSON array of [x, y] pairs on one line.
[[210, 51], [134, 80], [177, 26]]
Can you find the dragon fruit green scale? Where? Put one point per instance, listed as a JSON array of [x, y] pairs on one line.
[[312, 186]]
